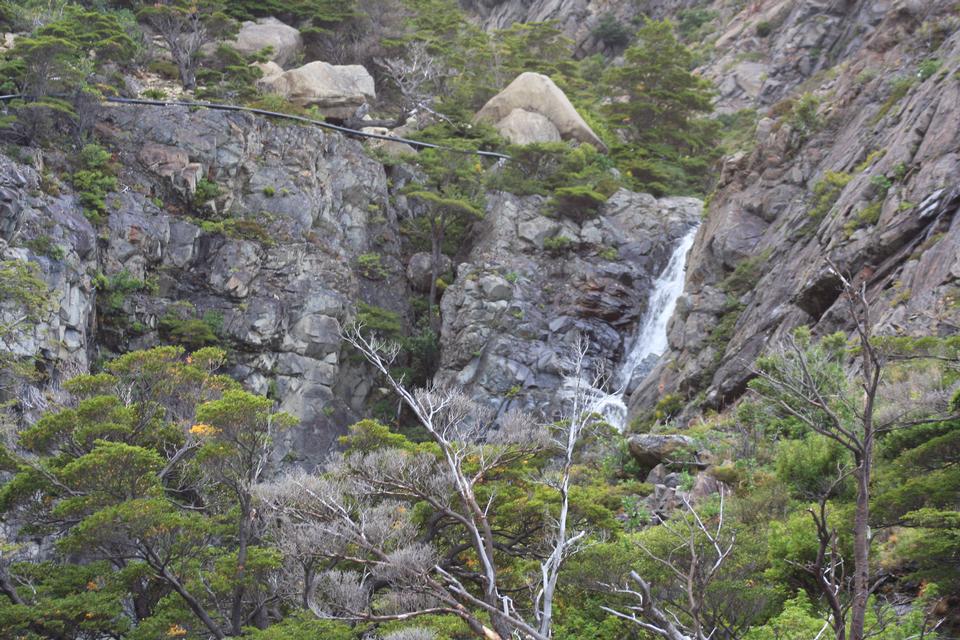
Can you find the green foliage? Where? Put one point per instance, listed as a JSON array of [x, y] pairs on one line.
[[60, 64], [557, 245], [746, 274], [826, 193], [180, 324], [45, 246], [382, 321], [369, 435], [371, 266], [184, 26], [867, 216], [303, 626], [94, 178], [206, 191], [811, 466], [797, 621], [804, 118], [899, 88], [928, 68], [228, 76], [578, 203], [672, 146], [114, 290], [123, 478], [691, 23], [612, 32]]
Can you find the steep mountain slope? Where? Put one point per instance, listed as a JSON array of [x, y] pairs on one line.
[[853, 159]]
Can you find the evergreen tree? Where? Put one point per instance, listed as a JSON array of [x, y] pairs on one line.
[[659, 104]]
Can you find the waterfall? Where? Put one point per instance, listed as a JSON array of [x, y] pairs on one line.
[[649, 342], [651, 339]]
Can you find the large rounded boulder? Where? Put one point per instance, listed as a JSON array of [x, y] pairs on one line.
[[284, 40], [336, 90], [535, 93]]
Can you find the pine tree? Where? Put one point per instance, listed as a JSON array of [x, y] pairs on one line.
[[659, 104]]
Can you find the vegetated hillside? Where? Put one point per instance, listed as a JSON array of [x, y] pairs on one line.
[[216, 326]]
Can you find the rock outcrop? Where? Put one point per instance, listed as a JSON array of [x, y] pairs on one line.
[[866, 178], [336, 90], [515, 309], [526, 127], [531, 95], [272, 260], [284, 40]]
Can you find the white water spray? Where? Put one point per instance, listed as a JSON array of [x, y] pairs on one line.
[[649, 342], [651, 338]]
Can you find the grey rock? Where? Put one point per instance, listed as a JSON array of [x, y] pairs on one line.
[[420, 270], [285, 40], [650, 450]]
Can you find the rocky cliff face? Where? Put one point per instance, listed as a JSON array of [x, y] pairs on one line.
[[280, 282], [273, 262], [516, 308], [854, 159]]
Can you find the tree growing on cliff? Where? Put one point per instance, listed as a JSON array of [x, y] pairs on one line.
[[56, 67], [450, 191], [660, 105], [185, 26]]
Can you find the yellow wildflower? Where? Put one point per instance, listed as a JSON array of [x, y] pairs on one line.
[[202, 430], [176, 631]]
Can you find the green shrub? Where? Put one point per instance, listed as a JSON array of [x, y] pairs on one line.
[[371, 267], [557, 245], [899, 88], [746, 274], [867, 216], [927, 68], [577, 203], [206, 191], [382, 321], [164, 68], [93, 180], [181, 325], [612, 32], [764, 29], [114, 290], [691, 22], [45, 246], [826, 193], [882, 184], [155, 94], [804, 118]]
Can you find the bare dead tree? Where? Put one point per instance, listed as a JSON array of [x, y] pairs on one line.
[[355, 512], [703, 547], [184, 27], [419, 76], [582, 414], [805, 382]]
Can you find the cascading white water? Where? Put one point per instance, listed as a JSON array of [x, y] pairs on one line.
[[651, 337], [650, 341]]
